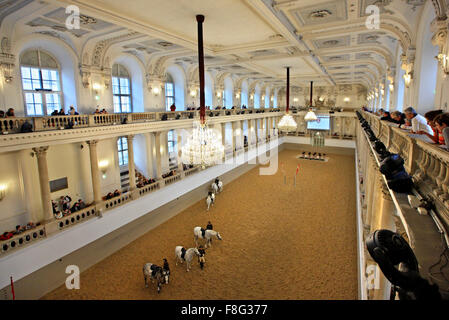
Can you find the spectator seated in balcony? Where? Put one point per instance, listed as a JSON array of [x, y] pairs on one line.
[[110, 195], [72, 111], [173, 108], [2, 114], [103, 111], [10, 113], [442, 124], [64, 203], [26, 127], [61, 112], [418, 122], [97, 111], [116, 193], [55, 113], [437, 136]]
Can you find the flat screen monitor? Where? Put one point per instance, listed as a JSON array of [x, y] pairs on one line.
[[323, 123]]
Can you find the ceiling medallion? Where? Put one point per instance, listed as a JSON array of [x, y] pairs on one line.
[[331, 42], [165, 44], [87, 20], [320, 14]]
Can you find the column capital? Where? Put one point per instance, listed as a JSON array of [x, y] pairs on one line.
[[40, 151], [92, 142], [130, 137]]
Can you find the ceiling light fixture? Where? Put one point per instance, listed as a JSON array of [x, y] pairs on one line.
[[287, 122], [311, 116], [203, 147]]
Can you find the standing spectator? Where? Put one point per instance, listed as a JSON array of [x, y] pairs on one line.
[[442, 124], [173, 107], [10, 113], [418, 122]]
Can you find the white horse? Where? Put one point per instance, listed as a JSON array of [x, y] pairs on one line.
[[217, 186], [155, 272], [200, 233], [182, 254], [210, 200]]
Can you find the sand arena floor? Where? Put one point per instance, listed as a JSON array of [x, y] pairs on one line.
[[279, 242]]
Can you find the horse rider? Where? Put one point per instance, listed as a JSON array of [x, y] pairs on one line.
[[209, 226], [201, 258], [166, 267]]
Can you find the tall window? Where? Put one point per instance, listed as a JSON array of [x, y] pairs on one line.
[[41, 83], [169, 92], [121, 89], [122, 146], [171, 141], [224, 98]]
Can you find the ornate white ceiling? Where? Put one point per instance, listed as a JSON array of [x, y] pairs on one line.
[[321, 40]]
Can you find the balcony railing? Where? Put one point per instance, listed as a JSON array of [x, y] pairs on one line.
[[47, 123], [426, 162]]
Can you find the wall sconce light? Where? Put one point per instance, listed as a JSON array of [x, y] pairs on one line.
[[443, 59], [321, 99], [96, 87], [272, 99], [263, 97], [237, 95], [156, 90], [219, 94], [347, 99], [391, 87], [7, 69], [103, 166], [2, 191], [193, 93], [382, 91], [252, 97], [407, 79]]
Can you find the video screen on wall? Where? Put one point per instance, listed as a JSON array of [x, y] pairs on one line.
[[322, 123]]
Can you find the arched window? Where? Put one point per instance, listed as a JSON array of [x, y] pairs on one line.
[[41, 83], [169, 92], [121, 89], [122, 147]]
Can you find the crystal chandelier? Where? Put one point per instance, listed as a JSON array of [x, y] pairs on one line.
[[287, 123], [311, 116], [204, 146]]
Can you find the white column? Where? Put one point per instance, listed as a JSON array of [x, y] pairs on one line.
[[41, 155], [96, 186], [131, 165]]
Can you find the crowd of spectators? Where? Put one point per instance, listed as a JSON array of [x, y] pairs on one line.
[[111, 195], [142, 181], [169, 174], [63, 206], [19, 229], [434, 124], [7, 114]]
